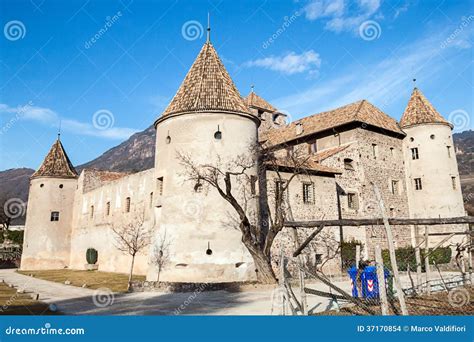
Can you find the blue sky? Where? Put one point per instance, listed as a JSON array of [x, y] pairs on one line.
[[107, 69]]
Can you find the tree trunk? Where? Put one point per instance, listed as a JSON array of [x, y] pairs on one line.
[[130, 276], [265, 274]]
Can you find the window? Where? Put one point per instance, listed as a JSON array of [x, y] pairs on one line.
[[392, 212], [414, 153], [412, 139], [61, 186], [308, 193], [218, 134], [151, 199], [392, 152], [374, 151], [253, 185], [127, 205], [274, 117], [312, 147], [55, 216], [92, 211], [289, 151], [279, 186], [453, 182], [198, 187], [432, 136], [260, 112], [348, 164], [352, 201], [299, 128], [449, 151], [418, 185], [160, 185], [394, 187], [107, 208]]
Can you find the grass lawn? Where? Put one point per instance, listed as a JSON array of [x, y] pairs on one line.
[[116, 282], [13, 303]]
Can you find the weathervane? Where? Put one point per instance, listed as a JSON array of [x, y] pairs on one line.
[[208, 27]]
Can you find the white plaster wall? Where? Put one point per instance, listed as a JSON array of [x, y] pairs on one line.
[[96, 231], [46, 243], [195, 221]]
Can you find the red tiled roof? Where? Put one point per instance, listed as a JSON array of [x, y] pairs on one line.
[[419, 111], [253, 100], [56, 163], [361, 111]]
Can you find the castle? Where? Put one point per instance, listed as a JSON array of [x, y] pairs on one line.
[[412, 162]]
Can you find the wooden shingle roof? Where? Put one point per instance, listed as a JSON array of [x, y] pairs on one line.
[[207, 87], [253, 100], [361, 111], [420, 111], [56, 163]]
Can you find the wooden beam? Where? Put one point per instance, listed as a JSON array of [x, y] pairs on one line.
[[308, 240], [379, 221], [381, 281]]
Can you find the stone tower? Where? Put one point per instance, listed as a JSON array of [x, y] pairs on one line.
[[50, 206], [433, 184], [208, 121]]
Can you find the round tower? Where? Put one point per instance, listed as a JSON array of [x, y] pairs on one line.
[[48, 224], [208, 122], [434, 189]]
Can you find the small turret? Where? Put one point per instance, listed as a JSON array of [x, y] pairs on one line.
[[49, 218]]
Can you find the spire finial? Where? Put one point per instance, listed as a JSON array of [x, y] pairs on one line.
[[59, 129], [208, 27], [252, 87], [414, 82]]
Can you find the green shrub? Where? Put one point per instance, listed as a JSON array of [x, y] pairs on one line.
[[406, 256], [91, 256], [16, 236]]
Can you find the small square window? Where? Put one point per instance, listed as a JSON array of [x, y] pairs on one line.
[[418, 185], [352, 201], [394, 187], [449, 151], [374, 151], [55, 216], [312, 147], [348, 164], [414, 153], [160, 185]]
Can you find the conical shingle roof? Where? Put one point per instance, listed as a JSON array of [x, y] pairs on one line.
[[207, 87], [253, 100], [420, 111], [56, 163]]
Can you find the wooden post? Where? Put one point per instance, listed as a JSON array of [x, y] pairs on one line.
[[427, 262], [357, 256], [391, 248], [469, 253], [418, 268], [304, 306], [381, 280]]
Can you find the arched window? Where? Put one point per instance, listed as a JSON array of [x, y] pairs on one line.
[[127, 205]]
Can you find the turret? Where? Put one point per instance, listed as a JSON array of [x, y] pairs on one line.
[[270, 117], [49, 218], [208, 121]]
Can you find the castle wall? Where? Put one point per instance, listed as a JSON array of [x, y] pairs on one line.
[[323, 249], [200, 226], [47, 243], [435, 167], [94, 230]]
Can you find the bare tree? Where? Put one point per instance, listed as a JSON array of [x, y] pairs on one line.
[[161, 252], [233, 181], [131, 238]]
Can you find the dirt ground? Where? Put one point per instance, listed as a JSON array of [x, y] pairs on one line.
[[13, 302]]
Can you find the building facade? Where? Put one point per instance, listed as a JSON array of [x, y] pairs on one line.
[[349, 152]]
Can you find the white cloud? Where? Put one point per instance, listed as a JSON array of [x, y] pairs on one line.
[[382, 83], [341, 15], [290, 63], [49, 117]]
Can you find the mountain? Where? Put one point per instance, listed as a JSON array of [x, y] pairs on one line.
[[133, 155], [138, 154], [14, 185]]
